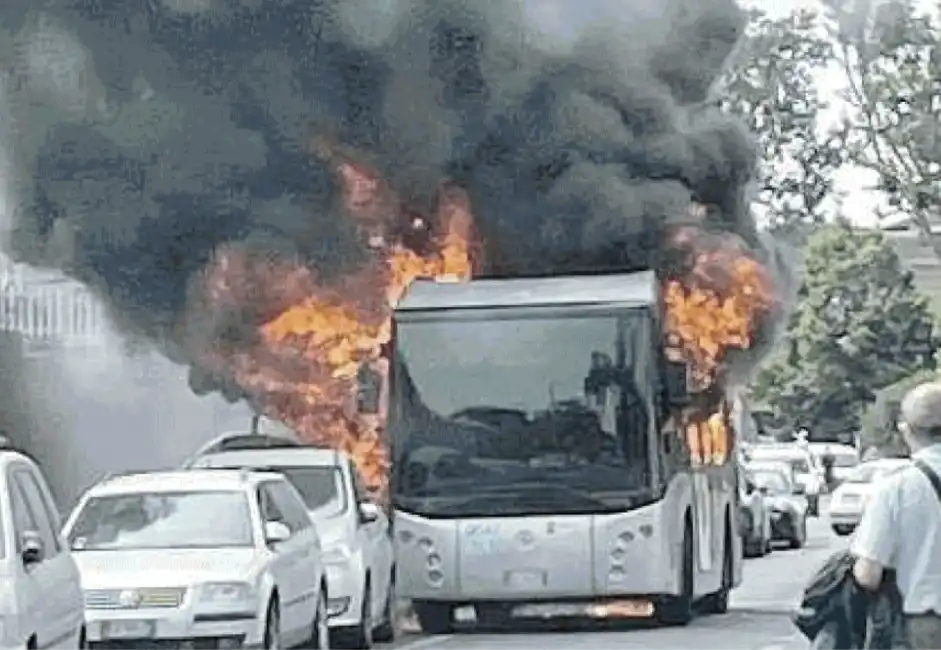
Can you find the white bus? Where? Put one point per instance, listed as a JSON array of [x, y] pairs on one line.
[[535, 472]]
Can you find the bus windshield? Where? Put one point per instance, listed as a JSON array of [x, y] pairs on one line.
[[537, 411]]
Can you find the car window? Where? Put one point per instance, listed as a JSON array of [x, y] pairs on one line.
[[268, 507], [321, 488], [22, 517], [845, 460], [285, 500], [200, 519], [36, 502]]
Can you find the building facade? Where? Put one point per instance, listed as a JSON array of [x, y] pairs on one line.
[[48, 309]]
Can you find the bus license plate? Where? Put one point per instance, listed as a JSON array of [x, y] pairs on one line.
[[129, 629], [549, 610]]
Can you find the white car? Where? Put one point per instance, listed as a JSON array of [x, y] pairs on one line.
[[356, 535], [221, 559], [756, 511], [804, 464], [785, 499], [41, 600], [849, 500]]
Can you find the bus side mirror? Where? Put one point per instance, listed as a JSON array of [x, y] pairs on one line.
[[676, 383]]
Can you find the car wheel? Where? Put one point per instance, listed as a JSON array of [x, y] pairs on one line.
[[320, 630], [361, 636], [678, 610], [718, 602], [800, 535], [272, 639], [385, 633], [435, 618], [843, 530]]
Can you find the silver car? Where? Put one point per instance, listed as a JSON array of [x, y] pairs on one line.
[[849, 500], [356, 534], [756, 517], [789, 509]]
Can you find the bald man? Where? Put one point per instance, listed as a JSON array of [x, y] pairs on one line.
[[901, 525]]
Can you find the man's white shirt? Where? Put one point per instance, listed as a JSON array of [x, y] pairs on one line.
[[901, 530]]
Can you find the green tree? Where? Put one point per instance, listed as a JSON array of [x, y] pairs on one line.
[[889, 59], [880, 419], [859, 326], [771, 83]]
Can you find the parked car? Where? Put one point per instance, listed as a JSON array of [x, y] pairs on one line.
[[806, 470], [849, 500], [788, 505], [42, 601], [220, 559], [356, 535], [756, 516]]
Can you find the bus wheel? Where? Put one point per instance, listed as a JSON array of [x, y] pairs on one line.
[[435, 618], [718, 602], [678, 610]]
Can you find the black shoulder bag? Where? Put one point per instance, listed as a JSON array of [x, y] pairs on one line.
[[930, 474]]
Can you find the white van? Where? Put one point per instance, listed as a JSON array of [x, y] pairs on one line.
[[43, 605]]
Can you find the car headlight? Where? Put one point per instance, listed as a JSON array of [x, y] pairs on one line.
[[225, 592], [337, 554]]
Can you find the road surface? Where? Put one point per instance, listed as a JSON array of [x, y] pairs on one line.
[[758, 618]]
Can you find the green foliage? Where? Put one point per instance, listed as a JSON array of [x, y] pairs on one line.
[[771, 84], [859, 326], [880, 420], [889, 57]]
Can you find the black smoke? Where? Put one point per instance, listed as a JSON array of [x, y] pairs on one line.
[[151, 132]]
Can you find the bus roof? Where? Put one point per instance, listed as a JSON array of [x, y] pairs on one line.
[[621, 289]]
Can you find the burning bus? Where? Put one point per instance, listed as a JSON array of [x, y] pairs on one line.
[[540, 466]]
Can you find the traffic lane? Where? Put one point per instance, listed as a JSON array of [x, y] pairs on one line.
[[732, 631], [775, 582], [759, 618]]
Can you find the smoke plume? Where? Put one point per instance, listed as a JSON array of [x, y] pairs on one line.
[[150, 134]]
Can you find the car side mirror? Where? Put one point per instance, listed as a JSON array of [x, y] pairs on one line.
[[676, 383], [276, 532], [32, 550], [750, 488], [368, 513]]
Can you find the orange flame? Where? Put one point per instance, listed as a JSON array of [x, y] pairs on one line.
[[711, 311], [323, 338], [305, 368]]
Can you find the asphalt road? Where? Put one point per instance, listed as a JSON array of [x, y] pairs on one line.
[[758, 618]]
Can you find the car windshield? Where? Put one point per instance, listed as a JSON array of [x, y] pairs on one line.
[[163, 520], [845, 459], [320, 487], [513, 402], [869, 472], [774, 482]]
